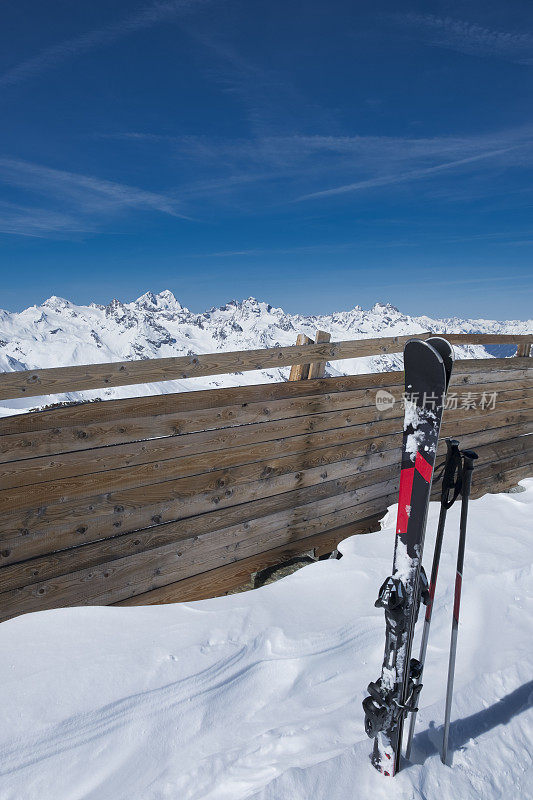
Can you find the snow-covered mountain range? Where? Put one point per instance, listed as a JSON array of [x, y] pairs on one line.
[[60, 333]]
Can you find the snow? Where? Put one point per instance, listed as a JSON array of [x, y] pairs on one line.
[[61, 333], [258, 695]]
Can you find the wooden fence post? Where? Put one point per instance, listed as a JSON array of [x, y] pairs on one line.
[[523, 350], [299, 372], [318, 368], [303, 372]]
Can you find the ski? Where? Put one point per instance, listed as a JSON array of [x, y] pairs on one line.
[[427, 368], [451, 482], [444, 348]]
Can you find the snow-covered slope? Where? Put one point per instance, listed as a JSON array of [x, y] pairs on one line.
[[59, 333], [257, 696]]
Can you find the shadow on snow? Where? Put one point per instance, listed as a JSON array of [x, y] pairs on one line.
[[428, 742]]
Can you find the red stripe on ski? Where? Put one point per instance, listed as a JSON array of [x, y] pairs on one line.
[[457, 598], [404, 499], [422, 466]]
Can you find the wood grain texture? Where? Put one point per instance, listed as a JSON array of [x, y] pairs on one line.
[[75, 523], [138, 507], [34, 544], [113, 581], [465, 371], [300, 372], [93, 483], [107, 502], [19, 544], [60, 380], [123, 577], [75, 438], [37, 383], [318, 368], [65, 561], [370, 470], [220, 581]]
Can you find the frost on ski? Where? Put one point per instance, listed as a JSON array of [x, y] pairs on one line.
[[415, 421], [387, 755], [388, 678], [403, 563]]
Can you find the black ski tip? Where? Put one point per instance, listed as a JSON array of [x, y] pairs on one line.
[[446, 351], [424, 368], [422, 345]]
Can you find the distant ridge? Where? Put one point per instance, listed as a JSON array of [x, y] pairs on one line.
[[60, 333]]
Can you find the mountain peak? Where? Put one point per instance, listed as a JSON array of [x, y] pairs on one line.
[[56, 303], [383, 308], [157, 302]]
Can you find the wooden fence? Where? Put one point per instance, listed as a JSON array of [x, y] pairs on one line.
[[182, 496]]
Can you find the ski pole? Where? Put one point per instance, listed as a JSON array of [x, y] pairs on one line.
[[450, 480], [468, 465]]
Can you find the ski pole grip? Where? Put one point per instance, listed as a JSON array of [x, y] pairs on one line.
[[469, 459]]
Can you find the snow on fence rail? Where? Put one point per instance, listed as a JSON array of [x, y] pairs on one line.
[[181, 496]]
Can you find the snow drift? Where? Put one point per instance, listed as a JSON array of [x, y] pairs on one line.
[[258, 695]]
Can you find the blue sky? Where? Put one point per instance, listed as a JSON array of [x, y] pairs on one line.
[[317, 155]]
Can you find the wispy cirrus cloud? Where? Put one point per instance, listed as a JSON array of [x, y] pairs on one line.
[[245, 176], [75, 202], [403, 177], [49, 57], [38, 222], [469, 37], [289, 153], [302, 164]]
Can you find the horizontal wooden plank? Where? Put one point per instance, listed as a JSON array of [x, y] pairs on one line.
[[138, 507], [121, 578], [59, 380], [153, 405], [87, 519], [221, 580], [103, 459], [56, 538], [488, 338], [65, 561], [27, 472], [116, 580], [467, 366], [171, 499], [74, 438], [108, 410], [91, 484], [501, 481], [77, 438], [36, 569], [20, 543]]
